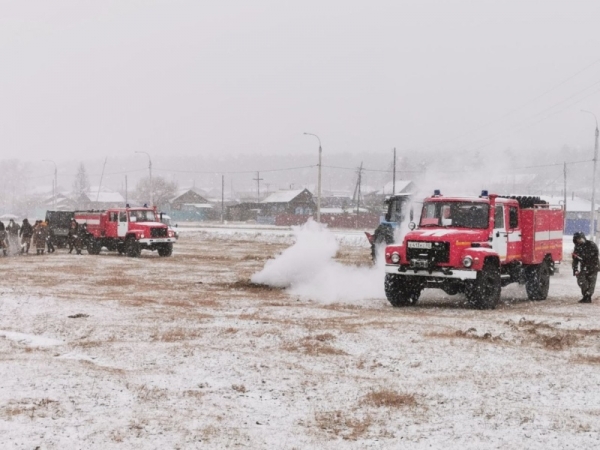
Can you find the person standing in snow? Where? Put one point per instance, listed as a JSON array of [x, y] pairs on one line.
[[49, 238], [40, 235], [585, 265], [3, 239], [72, 236], [13, 236], [26, 232]]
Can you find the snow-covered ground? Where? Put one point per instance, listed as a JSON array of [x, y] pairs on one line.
[[184, 352]]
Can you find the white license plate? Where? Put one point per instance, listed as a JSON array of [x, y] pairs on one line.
[[426, 245], [420, 263]]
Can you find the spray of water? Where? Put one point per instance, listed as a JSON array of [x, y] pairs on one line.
[[307, 269]]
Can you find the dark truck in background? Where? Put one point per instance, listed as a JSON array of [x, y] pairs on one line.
[[58, 226]]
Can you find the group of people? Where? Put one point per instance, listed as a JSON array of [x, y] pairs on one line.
[[18, 239]]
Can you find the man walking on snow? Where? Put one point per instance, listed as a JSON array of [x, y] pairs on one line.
[[585, 265]]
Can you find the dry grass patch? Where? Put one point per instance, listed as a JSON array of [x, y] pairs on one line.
[[177, 335], [247, 285], [586, 359], [390, 399], [30, 407], [193, 393], [471, 333], [314, 346], [341, 424], [547, 335], [556, 341], [239, 388], [116, 281]]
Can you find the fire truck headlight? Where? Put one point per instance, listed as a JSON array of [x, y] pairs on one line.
[[142, 236], [467, 261], [171, 233], [395, 258]]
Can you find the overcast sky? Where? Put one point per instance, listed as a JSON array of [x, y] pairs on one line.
[[82, 79]]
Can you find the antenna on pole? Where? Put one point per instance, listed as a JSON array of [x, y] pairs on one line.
[[394, 175], [356, 196], [101, 176], [258, 179]]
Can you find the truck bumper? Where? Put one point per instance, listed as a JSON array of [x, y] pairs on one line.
[[151, 241], [449, 274]]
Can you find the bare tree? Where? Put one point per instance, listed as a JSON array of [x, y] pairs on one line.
[[82, 183], [162, 191]]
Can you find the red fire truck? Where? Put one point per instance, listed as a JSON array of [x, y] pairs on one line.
[[475, 246], [126, 230]]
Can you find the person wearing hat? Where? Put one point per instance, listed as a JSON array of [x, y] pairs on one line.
[[585, 265], [25, 232]]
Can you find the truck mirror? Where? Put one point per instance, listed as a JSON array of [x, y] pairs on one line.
[[412, 226]]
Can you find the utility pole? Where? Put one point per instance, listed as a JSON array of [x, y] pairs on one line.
[[126, 202], [357, 193], [258, 179], [222, 198], [593, 209], [150, 173], [319, 179], [565, 194], [394, 178], [101, 177]]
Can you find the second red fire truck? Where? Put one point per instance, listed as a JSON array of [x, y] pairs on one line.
[[127, 230]]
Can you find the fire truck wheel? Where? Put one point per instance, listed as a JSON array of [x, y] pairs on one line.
[[165, 250], [94, 247], [484, 292], [537, 281], [132, 248], [401, 290]]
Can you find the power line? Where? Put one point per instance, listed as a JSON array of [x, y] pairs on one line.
[[235, 171]]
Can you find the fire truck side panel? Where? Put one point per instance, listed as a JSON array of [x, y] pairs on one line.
[[93, 221], [542, 232]]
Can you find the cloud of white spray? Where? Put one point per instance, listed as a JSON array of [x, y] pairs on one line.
[[307, 269]]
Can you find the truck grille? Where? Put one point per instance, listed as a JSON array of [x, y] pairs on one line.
[[158, 232], [438, 251]]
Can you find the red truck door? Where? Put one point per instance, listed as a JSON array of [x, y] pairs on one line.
[[123, 224], [500, 235]]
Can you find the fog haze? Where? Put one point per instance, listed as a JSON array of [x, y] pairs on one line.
[[86, 80]]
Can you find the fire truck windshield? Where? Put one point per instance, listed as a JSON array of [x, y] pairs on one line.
[[455, 214], [142, 216]]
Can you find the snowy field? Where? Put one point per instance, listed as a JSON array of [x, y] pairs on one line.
[[185, 352]]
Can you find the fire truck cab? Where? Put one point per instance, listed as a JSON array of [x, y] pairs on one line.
[[126, 230], [475, 246]]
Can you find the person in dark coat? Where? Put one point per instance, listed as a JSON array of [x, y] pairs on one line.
[[3, 239], [72, 235], [40, 236], [50, 238], [26, 232], [585, 265]]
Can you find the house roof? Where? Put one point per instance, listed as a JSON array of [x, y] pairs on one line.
[[181, 192], [402, 186], [199, 205], [284, 196], [104, 196]]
